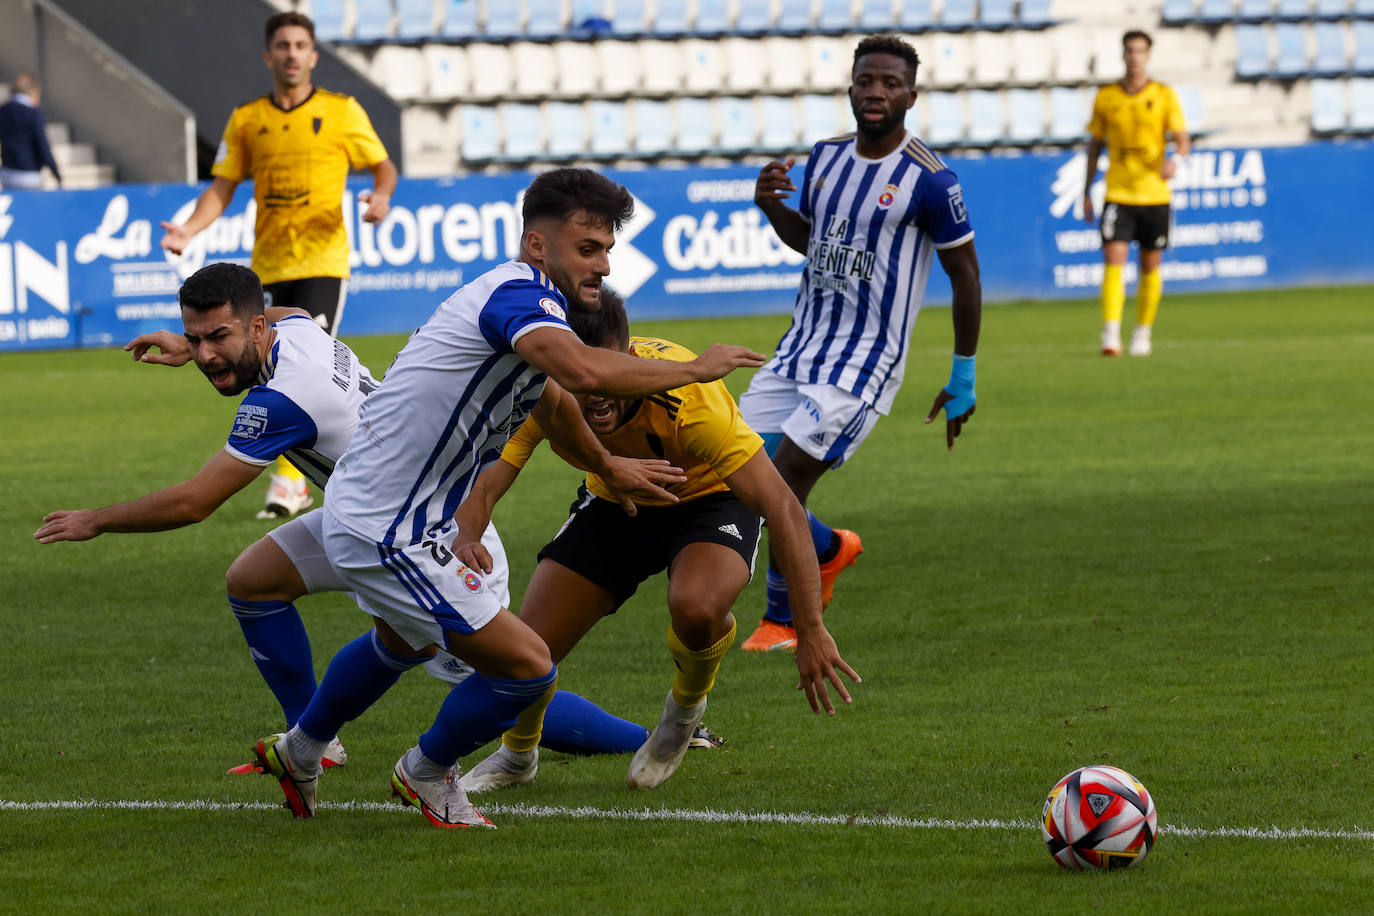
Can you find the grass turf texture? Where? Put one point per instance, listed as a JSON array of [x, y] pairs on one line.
[[1162, 564]]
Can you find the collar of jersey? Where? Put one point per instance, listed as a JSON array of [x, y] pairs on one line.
[[272, 100]]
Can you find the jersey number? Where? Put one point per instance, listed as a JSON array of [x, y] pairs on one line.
[[439, 552]]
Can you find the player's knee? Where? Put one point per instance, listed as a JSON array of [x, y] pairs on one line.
[[531, 661], [243, 581], [697, 619]]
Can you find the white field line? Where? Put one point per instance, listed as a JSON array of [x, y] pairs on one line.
[[586, 812]]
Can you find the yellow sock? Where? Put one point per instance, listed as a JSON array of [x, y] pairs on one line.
[[529, 725], [1147, 298], [696, 669], [288, 470], [1113, 293]]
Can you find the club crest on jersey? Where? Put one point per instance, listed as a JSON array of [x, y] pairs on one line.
[[470, 580], [553, 308], [956, 204], [250, 422], [888, 197]]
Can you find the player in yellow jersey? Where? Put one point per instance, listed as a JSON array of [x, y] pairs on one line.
[[707, 541], [298, 145], [1134, 119]]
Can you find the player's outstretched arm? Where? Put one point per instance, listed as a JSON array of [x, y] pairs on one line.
[[174, 350], [958, 398], [759, 485], [474, 513], [211, 203], [181, 504], [594, 370], [770, 189], [378, 200]]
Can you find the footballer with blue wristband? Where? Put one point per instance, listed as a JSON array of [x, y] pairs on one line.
[[875, 208]]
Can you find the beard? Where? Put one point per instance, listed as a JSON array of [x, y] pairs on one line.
[[872, 130], [244, 371]]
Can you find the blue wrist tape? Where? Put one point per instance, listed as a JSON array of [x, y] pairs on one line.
[[960, 387]]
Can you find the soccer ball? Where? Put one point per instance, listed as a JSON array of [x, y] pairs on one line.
[[1099, 817]]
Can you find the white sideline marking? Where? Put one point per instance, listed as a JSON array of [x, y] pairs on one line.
[[701, 816]]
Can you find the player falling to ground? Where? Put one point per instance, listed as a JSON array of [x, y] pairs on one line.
[[706, 541], [297, 144], [1134, 119], [495, 352], [875, 207], [304, 391]]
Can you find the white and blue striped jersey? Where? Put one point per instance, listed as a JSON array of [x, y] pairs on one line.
[[445, 409], [875, 225], [305, 404]]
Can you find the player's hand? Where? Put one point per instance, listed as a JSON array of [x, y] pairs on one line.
[[818, 661], [958, 398], [773, 183], [378, 206], [1087, 208], [628, 478], [175, 350], [719, 360], [954, 423], [176, 239], [67, 525], [473, 554]]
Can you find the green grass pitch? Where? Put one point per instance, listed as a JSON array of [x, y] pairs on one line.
[[1163, 564]]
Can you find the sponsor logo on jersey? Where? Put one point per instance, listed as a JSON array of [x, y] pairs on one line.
[[956, 204], [553, 308], [250, 422], [888, 196]]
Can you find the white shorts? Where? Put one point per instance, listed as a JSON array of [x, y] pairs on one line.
[[826, 422], [422, 591]]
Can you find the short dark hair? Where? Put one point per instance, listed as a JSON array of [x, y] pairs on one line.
[[215, 284], [281, 20], [560, 193], [608, 324], [1133, 34], [888, 44]]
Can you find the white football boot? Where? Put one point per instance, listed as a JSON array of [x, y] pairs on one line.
[[659, 756], [1140, 341], [285, 498], [504, 767]]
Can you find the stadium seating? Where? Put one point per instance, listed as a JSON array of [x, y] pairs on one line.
[[829, 61], [460, 19], [1252, 52], [779, 123], [620, 66], [534, 68], [795, 16], [481, 133], [1291, 59], [503, 20], [330, 18], [1328, 106], [1070, 109], [992, 59], [577, 68], [661, 64], [446, 72], [1255, 10], [1361, 91], [696, 132], [1071, 53], [958, 14], [996, 14], [653, 128], [739, 124], [492, 63], [1294, 9], [915, 15], [524, 130], [946, 123], [713, 17], [401, 71], [1216, 11], [1362, 62], [1108, 64], [835, 16], [610, 128], [1178, 11], [703, 65], [1026, 116], [786, 64], [567, 129], [987, 117], [414, 19], [1194, 110], [754, 17], [1034, 14], [746, 65], [1030, 58], [950, 59], [631, 15], [820, 118], [1330, 56], [1362, 8], [1330, 9]]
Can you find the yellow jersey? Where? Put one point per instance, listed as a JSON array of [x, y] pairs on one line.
[[697, 427], [299, 161], [1133, 127]]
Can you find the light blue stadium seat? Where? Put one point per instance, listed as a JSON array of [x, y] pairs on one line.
[[1330, 9], [524, 131], [946, 126], [835, 16], [996, 14], [1026, 116], [1069, 111], [795, 16], [544, 19], [1291, 60], [329, 19], [503, 19], [1255, 10], [820, 118], [915, 15], [1034, 14], [876, 15], [374, 20], [567, 123], [987, 117], [958, 14], [610, 127], [713, 17], [1252, 51], [1216, 11], [779, 123], [460, 19], [1176, 11], [480, 133], [670, 17], [739, 126], [1363, 60], [754, 16], [1328, 106], [1361, 92], [1194, 111], [653, 128], [1362, 7], [415, 19], [1293, 9], [695, 129], [1330, 56]]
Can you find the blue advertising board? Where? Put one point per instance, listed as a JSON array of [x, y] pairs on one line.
[[83, 268]]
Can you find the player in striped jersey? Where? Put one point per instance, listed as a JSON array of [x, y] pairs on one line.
[[875, 208], [707, 542], [487, 358]]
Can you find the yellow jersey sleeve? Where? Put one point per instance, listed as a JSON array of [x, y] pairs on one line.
[[711, 427], [522, 445], [1173, 114], [232, 161], [361, 143]]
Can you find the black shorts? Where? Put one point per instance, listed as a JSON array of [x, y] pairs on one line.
[[604, 545], [1148, 225], [322, 297]]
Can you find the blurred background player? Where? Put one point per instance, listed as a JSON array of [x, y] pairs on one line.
[[1134, 119], [707, 542], [24, 148], [874, 205], [297, 144]]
